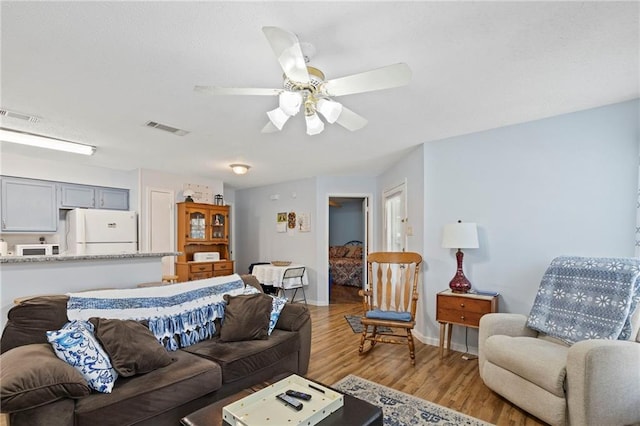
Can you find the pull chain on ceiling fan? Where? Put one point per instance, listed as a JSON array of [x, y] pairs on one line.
[[305, 87]]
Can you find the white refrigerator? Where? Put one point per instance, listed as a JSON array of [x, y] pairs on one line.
[[93, 231]]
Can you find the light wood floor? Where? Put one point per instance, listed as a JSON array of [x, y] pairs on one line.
[[451, 382]]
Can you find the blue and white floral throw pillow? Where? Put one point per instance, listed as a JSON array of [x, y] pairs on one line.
[[276, 308], [77, 346]]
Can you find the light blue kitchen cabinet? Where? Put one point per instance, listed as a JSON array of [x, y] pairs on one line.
[[28, 205], [113, 198], [90, 197], [72, 196]]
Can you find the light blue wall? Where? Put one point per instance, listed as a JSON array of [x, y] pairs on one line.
[[565, 185], [346, 223]]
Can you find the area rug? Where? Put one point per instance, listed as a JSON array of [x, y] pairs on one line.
[[356, 325], [399, 408]]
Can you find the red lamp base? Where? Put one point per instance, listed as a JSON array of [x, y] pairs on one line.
[[459, 283]]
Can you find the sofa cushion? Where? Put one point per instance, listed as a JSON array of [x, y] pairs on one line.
[[29, 320], [75, 344], [293, 317], [131, 346], [137, 398], [241, 359], [43, 379], [246, 317], [538, 361]]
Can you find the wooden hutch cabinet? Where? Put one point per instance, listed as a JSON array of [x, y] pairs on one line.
[[202, 228]]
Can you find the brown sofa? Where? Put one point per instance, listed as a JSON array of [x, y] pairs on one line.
[[199, 374]]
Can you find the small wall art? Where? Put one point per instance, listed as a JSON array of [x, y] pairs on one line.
[[281, 222], [291, 220], [304, 222]]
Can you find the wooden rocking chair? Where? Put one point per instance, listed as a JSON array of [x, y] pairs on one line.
[[390, 299]]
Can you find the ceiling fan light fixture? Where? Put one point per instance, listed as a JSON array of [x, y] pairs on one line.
[[290, 102], [278, 117], [314, 124], [329, 109], [240, 169]]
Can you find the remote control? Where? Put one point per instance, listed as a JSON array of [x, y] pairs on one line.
[[296, 405], [299, 395]]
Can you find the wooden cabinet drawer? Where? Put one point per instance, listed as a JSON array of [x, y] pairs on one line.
[[200, 275], [223, 267], [465, 304], [200, 267]]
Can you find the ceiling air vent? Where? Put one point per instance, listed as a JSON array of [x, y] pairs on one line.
[[159, 126], [20, 116]]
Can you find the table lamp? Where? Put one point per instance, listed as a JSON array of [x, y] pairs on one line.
[[460, 235]]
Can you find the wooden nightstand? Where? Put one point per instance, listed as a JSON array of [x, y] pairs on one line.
[[463, 309]]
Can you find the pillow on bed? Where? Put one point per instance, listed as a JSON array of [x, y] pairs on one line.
[[338, 251], [354, 252]]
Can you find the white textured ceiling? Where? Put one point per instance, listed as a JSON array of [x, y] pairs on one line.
[[95, 72]]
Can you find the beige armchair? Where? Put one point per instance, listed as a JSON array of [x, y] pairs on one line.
[[575, 360], [593, 382]]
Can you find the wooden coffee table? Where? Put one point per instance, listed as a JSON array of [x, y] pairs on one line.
[[353, 412]]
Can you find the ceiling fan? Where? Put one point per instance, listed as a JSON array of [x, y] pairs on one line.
[[305, 87]]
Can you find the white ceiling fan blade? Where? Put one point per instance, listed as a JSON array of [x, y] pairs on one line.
[[286, 47], [350, 120], [269, 128], [215, 90], [381, 78]]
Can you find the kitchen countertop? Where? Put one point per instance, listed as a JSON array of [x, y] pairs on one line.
[[66, 257]]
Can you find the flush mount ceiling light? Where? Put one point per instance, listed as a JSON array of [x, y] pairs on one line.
[[306, 85], [40, 141], [240, 169]]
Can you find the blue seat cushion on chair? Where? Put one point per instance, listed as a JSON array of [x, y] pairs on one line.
[[388, 315]]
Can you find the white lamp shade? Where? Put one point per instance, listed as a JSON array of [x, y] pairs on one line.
[[188, 193], [314, 124], [290, 102], [278, 117], [329, 109], [460, 235]]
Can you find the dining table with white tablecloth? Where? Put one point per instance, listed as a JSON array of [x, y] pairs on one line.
[[272, 275]]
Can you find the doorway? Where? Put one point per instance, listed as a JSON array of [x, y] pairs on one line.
[[160, 230], [348, 246]]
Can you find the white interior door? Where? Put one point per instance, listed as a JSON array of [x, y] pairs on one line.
[[395, 217], [161, 226]]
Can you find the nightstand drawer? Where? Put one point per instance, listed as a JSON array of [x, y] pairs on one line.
[[200, 267], [462, 303], [468, 318]]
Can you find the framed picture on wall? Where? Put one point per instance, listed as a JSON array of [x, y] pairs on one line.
[[281, 222], [304, 222]]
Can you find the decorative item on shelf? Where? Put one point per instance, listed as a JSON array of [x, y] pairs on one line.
[[460, 235], [280, 263], [218, 200], [188, 195]]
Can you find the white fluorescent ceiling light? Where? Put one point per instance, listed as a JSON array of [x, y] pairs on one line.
[[31, 139]]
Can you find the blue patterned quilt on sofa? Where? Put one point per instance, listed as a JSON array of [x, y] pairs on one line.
[[584, 298]]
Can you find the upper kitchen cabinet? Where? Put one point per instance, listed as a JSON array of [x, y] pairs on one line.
[[28, 205], [93, 197]]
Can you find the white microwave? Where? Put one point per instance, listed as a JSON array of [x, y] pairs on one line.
[[37, 249]]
